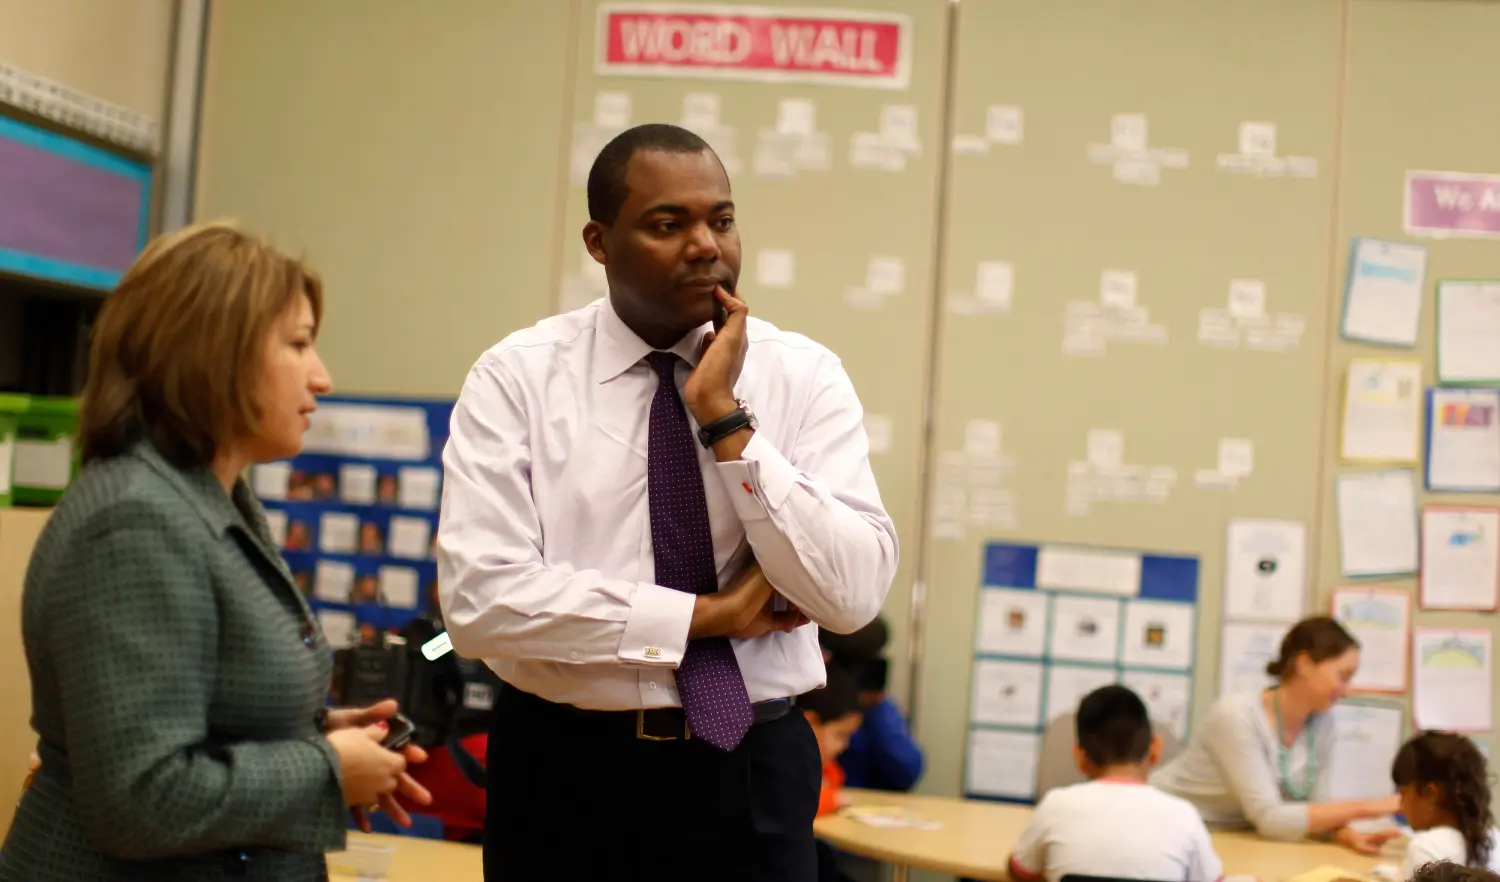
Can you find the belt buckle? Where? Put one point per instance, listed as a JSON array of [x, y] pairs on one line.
[[640, 729]]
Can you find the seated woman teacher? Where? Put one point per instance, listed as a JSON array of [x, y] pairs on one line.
[[177, 675], [1261, 758]]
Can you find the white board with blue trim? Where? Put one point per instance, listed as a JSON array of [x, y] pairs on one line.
[[1056, 622]]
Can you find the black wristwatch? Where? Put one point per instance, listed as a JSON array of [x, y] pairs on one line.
[[741, 417]]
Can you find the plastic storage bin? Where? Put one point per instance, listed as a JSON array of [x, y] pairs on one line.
[[46, 450], [11, 408]]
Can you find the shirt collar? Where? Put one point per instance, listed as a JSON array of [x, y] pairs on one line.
[[200, 487], [617, 348]]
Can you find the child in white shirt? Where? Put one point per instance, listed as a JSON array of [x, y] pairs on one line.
[[1445, 795], [1115, 824]]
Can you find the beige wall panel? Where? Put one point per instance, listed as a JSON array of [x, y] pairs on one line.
[[1420, 96], [117, 50], [833, 221], [410, 151], [1196, 71]]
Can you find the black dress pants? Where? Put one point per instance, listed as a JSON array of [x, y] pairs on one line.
[[576, 796]]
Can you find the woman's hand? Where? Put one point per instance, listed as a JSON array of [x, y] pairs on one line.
[[367, 770], [1364, 843], [344, 717]]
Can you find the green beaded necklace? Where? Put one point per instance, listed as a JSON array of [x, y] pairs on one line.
[[1283, 754]]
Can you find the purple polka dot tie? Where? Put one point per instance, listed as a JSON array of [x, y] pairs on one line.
[[709, 681]]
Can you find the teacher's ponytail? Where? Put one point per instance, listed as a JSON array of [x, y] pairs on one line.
[[1320, 638]]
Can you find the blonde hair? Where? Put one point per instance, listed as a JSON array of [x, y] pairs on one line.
[[176, 349]]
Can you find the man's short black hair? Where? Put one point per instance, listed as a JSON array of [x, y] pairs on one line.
[[607, 188], [1113, 726]]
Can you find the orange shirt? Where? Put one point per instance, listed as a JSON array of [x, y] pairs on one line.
[[833, 782]]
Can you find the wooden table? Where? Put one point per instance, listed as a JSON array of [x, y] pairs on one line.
[[976, 837], [419, 860]]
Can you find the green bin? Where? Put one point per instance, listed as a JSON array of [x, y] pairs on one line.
[[46, 450], [11, 408]]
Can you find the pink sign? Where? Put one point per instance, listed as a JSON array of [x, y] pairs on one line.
[[1452, 204], [833, 47]]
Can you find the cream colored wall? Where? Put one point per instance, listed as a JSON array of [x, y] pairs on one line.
[[117, 50], [412, 155]]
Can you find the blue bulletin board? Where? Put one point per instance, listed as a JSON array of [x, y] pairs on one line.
[[1056, 622], [355, 514]]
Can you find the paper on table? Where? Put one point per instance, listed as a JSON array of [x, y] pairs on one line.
[[1167, 696], [1265, 570], [1002, 763], [1452, 685], [1085, 629], [1368, 736], [1382, 412], [1383, 301], [1378, 523], [1463, 443], [338, 532], [1244, 651], [1006, 693], [1380, 619], [1158, 635], [410, 537], [1468, 324], [1068, 684], [1012, 622], [1460, 558]]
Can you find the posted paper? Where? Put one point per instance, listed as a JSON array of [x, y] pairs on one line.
[[1168, 697], [1158, 635], [1453, 684], [1006, 693], [1468, 326], [1378, 523], [1383, 300], [1012, 622], [1244, 651], [1380, 619], [1068, 684], [1463, 443], [1382, 412], [1085, 629], [1002, 763], [1460, 558], [1265, 570], [1368, 737]]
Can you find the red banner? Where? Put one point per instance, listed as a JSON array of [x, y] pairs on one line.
[[869, 50]]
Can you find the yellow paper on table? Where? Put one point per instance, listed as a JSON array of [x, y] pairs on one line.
[[1329, 874]]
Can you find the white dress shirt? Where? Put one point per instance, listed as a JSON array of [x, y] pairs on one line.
[[545, 567]]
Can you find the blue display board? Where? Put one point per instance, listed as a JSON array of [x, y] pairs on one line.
[[1056, 622], [356, 513]]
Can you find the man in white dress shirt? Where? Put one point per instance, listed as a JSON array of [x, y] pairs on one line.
[[640, 514]]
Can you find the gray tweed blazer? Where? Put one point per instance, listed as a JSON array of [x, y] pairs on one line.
[[176, 674]]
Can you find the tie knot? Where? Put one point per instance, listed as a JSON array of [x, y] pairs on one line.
[[663, 363]]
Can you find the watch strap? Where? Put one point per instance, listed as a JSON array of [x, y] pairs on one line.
[[724, 426]]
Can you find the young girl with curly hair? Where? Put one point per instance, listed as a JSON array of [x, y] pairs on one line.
[[1445, 794]]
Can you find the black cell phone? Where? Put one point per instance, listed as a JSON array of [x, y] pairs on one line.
[[399, 733]]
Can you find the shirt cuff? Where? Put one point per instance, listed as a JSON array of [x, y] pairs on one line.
[[656, 632], [760, 480]]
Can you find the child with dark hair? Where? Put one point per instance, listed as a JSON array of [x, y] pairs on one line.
[[1445, 794], [1115, 825], [833, 713], [1447, 871]]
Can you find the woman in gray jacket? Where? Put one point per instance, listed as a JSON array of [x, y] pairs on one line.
[[1260, 759], [177, 676]]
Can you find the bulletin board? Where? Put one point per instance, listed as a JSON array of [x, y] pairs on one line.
[[1056, 622], [833, 154], [355, 513], [1415, 126], [1132, 316]]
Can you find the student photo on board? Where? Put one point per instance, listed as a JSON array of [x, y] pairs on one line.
[[370, 539], [324, 486], [299, 486], [298, 536], [366, 589], [385, 490], [304, 581]]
